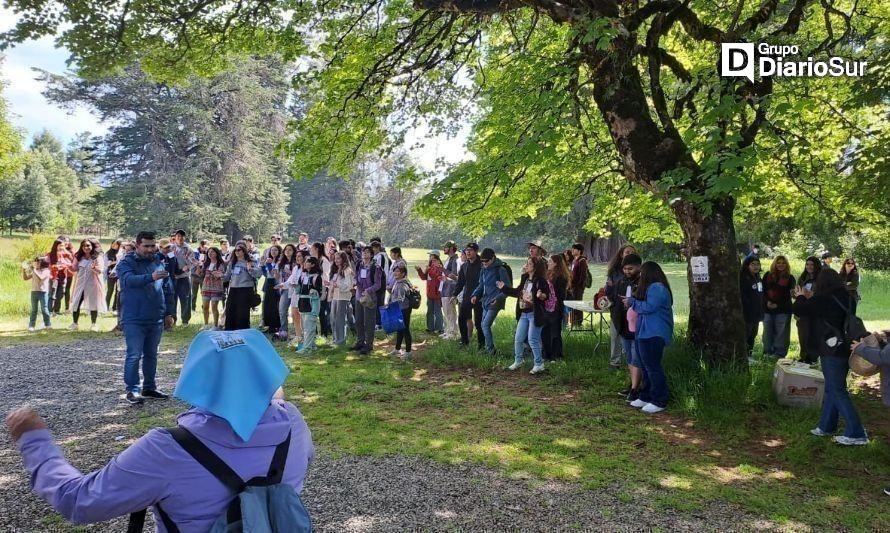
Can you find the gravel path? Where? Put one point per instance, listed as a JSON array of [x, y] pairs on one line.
[[78, 389]]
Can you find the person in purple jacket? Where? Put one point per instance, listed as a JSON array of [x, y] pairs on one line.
[[369, 279], [156, 471]]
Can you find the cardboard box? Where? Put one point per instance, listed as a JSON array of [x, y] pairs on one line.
[[798, 385]]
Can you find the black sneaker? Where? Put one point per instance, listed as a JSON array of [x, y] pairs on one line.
[[154, 395], [632, 395], [624, 392], [135, 398], [356, 347]]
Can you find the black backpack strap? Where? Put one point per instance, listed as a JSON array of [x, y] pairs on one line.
[[209, 460], [844, 307], [137, 521], [276, 466]]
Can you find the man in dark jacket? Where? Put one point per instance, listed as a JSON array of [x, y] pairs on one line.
[[147, 305], [492, 298], [467, 281]]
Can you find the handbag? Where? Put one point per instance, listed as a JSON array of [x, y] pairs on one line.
[[255, 300], [391, 318]]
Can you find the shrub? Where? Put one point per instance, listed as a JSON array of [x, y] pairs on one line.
[[872, 249], [37, 245]]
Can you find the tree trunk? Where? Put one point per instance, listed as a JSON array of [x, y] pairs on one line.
[[716, 325]]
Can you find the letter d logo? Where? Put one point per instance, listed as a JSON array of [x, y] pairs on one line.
[[737, 60]]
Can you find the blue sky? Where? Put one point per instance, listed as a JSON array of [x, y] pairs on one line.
[[29, 110], [32, 113]]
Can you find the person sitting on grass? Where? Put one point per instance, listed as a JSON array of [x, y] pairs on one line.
[[156, 470]]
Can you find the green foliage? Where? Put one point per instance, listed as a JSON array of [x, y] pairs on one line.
[[872, 249], [37, 245], [199, 156], [10, 141]]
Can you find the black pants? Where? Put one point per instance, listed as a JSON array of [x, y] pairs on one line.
[[75, 316], [57, 292], [111, 293], [196, 292], [324, 318], [751, 335], [466, 311], [551, 337], [804, 326], [238, 308], [405, 334], [271, 297]]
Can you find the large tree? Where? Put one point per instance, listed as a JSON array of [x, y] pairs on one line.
[[565, 95], [199, 156]]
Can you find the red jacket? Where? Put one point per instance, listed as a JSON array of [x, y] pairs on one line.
[[433, 277], [63, 265]]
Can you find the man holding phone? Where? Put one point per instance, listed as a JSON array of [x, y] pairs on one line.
[[147, 305]]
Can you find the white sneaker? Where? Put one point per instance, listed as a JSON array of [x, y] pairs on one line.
[[651, 408], [850, 441], [395, 353], [48, 328], [817, 431], [30, 329], [94, 328], [537, 369], [514, 366], [73, 327], [638, 403]]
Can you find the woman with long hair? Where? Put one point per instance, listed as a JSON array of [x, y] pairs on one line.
[[614, 275], [751, 287], [530, 314], [89, 286], [807, 280], [112, 256], [653, 304], [827, 305], [558, 281], [777, 286], [339, 294], [61, 264], [850, 277], [242, 273], [292, 285], [271, 294], [432, 275], [317, 250], [212, 270], [285, 269], [309, 302]]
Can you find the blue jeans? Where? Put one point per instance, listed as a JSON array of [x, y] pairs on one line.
[[142, 343], [434, 319], [655, 390], [837, 399], [40, 298], [488, 317], [776, 334], [526, 330], [183, 289], [633, 354]]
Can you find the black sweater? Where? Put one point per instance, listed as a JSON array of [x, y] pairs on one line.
[[539, 284], [751, 288], [824, 312]]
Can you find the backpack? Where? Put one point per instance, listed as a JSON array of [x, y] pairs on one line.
[[412, 295], [509, 273], [550, 302], [854, 328], [260, 505]]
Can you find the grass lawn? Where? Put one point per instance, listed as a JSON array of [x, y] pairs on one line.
[[723, 437]]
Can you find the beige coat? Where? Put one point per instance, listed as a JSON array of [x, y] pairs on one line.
[[89, 285]]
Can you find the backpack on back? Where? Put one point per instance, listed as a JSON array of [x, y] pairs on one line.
[[854, 328], [260, 505], [412, 295], [509, 273]]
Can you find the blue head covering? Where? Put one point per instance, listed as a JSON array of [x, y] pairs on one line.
[[232, 374]]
